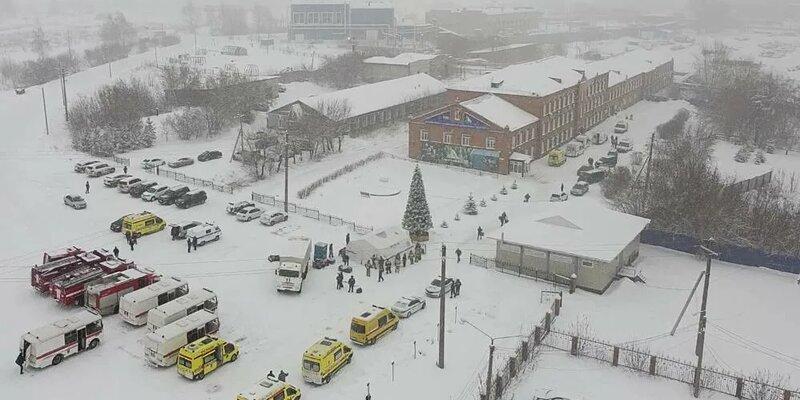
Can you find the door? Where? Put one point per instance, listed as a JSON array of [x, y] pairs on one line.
[[81, 339]]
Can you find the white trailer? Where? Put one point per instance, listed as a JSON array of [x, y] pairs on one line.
[[49, 344], [292, 266], [168, 313], [133, 307], [161, 346]]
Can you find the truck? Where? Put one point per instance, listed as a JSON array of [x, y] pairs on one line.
[[291, 267], [69, 288], [161, 346], [56, 266], [103, 294]]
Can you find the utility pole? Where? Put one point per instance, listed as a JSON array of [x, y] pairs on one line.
[[441, 307], [155, 48], [109, 70], [44, 105], [64, 94], [649, 162], [701, 328], [489, 370], [286, 171]]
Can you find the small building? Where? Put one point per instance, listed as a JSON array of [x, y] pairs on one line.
[[373, 105], [386, 243], [561, 239], [509, 54], [340, 20], [486, 133], [383, 68], [233, 51]]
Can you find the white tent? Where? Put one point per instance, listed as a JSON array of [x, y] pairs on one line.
[[384, 244]]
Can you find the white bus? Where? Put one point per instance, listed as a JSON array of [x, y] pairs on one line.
[[49, 344], [168, 313], [133, 307], [161, 347], [292, 266]]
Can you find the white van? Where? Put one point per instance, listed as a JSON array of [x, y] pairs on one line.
[[124, 185], [161, 346], [204, 233], [152, 193], [292, 266], [49, 344], [133, 307], [193, 302], [575, 149], [89, 170]]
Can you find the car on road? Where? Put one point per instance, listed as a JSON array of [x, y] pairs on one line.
[[209, 155], [621, 127], [138, 189], [434, 289], [75, 201], [579, 189], [181, 162], [249, 213], [624, 146], [81, 166], [148, 163], [559, 197], [408, 305], [152, 193], [593, 175], [191, 199], [94, 167], [169, 196], [275, 218], [234, 208], [113, 181], [100, 171]]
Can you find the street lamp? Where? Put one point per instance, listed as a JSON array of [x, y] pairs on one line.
[[491, 351]]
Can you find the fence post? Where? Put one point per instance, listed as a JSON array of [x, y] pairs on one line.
[[512, 367], [557, 308], [787, 394], [739, 387], [652, 365], [615, 357], [537, 336], [547, 322], [574, 348], [525, 349]]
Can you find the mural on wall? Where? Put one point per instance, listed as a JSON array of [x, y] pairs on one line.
[[467, 121], [441, 153]]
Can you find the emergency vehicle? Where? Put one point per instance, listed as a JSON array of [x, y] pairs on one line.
[[103, 294], [50, 344], [133, 307], [174, 310], [54, 267], [270, 388], [161, 346], [291, 268], [69, 288], [325, 358], [204, 356]]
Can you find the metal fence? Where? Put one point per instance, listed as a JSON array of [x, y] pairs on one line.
[[120, 160], [666, 367], [311, 213], [518, 270], [194, 181]]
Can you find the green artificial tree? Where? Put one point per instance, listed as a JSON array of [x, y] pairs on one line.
[[417, 218], [469, 207]]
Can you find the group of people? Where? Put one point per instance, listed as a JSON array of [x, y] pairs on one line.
[[281, 376], [191, 243], [503, 218], [351, 283], [132, 241], [456, 289]]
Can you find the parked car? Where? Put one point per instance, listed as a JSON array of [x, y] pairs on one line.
[[575, 149], [407, 306], [90, 170], [181, 162], [152, 163], [434, 289], [138, 189], [191, 199], [582, 138], [593, 175], [169, 196], [272, 219], [178, 231], [579, 188], [152, 193], [75, 201], [249, 213], [209, 155], [624, 146], [234, 208], [81, 166], [116, 226], [585, 167], [112, 181], [621, 127], [608, 161], [101, 171], [559, 197], [124, 185]]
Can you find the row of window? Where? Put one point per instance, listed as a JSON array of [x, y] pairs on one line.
[[559, 102], [318, 18], [522, 137], [555, 140], [558, 121], [466, 139]]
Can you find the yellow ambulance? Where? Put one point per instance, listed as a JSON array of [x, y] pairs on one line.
[[323, 359], [270, 388], [205, 355], [372, 325], [143, 223]]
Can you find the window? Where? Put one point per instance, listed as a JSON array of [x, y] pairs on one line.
[[209, 358], [448, 138], [465, 139], [490, 143], [587, 264], [423, 135], [327, 18], [382, 321], [299, 18], [70, 337]]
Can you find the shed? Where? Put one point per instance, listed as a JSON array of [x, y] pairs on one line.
[[386, 244]]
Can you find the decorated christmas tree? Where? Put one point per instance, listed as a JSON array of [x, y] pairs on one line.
[[417, 218], [469, 207]]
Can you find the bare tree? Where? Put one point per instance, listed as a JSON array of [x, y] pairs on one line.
[[39, 43], [764, 385], [315, 128]]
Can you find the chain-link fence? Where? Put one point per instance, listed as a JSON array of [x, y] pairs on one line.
[[514, 269], [194, 181], [311, 213], [120, 160], [666, 367]]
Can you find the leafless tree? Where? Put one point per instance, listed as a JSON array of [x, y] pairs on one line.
[[764, 385], [315, 128]]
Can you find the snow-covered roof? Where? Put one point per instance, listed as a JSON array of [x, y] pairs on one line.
[[575, 228], [520, 157], [536, 78], [627, 65], [181, 326], [500, 48], [77, 319], [162, 286], [400, 59], [499, 112], [385, 243], [365, 99]]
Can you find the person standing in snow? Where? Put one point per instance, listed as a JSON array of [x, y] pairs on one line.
[[404, 260], [87, 187], [527, 198], [480, 233], [562, 187], [380, 272], [458, 255], [194, 243], [369, 266], [131, 242], [330, 250], [188, 245], [457, 287], [502, 220], [339, 280], [124, 169], [346, 259], [350, 283], [347, 239], [116, 252]]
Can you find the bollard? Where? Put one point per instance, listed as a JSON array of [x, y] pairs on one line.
[[537, 336], [574, 348], [615, 358], [524, 350], [652, 365]]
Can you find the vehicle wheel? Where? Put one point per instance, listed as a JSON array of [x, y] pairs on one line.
[[94, 343], [116, 309], [57, 359], [326, 379], [234, 357], [423, 306], [216, 238], [200, 376]]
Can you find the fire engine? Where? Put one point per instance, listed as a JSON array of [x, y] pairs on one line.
[[103, 294], [55, 267], [61, 253], [68, 289]]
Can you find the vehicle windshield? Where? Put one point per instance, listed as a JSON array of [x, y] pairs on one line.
[[185, 362], [401, 304], [436, 282], [357, 328], [77, 198], [310, 366], [288, 273]]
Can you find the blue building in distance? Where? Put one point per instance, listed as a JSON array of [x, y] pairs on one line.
[[337, 20]]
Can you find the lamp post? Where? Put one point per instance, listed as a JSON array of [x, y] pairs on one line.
[[491, 352]]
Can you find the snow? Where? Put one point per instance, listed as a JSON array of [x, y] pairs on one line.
[[49, 331], [400, 59], [500, 112], [541, 77], [723, 157], [500, 48], [378, 96], [580, 230]]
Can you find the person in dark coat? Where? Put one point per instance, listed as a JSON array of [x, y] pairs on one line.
[[116, 252], [347, 239], [411, 257], [194, 243], [380, 272], [457, 286], [404, 260], [188, 245], [131, 242], [346, 259], [527, 197], [282, 376], [502, 220], [339, 280], [350, 283], [562, 187], [124, 169], [271, 374], [330, 250], [458, 255], [21, 362], [87, 187], [369, 266], [480, 233]]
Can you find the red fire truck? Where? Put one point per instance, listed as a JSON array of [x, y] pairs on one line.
[[61, 253], [68, 289], [54, 268], [103, 294]]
